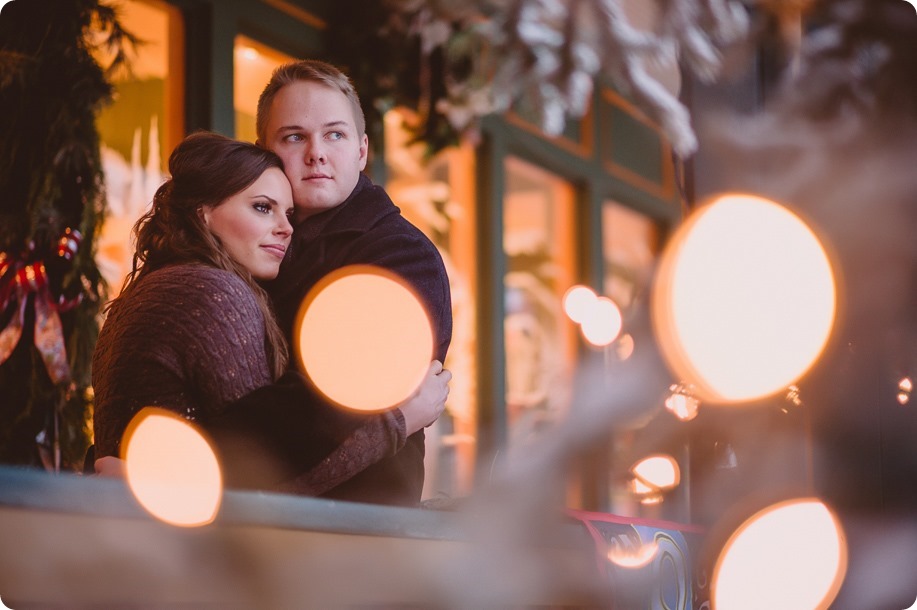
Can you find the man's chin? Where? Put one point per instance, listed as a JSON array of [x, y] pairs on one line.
[[310, 209]]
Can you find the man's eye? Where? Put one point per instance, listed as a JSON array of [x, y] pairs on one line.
[[293, 137], [335, 135]]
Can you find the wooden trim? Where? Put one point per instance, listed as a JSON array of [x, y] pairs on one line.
[[173, 127], [582, 149], [664, 190], [297, 13]]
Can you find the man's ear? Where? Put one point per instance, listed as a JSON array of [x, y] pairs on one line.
[[364, 150]]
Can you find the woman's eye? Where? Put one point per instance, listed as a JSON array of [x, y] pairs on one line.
[[264, 208]]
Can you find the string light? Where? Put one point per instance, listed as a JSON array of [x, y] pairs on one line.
[[681, 402], [904, 390], [653, 476]]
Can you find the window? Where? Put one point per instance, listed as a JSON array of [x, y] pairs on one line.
[[253, 65], [437, 196], [140, 129], [630, 245], [538, 241]]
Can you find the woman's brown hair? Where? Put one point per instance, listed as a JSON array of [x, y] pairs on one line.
[[206, 170]]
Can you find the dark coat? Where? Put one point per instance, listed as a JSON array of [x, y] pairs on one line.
[[369, 229]]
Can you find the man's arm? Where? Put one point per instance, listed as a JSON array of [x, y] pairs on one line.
[[413, 257]]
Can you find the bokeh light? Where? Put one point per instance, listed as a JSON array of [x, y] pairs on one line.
[[633, 558], [364, 339], [602, 322], [171, 468], [577, 301], [904, 390], [657, 472], [791, 555], [653, 476], [681, 402], [744, 300], [624, 346]]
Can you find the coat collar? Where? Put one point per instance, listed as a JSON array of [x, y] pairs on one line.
[[366, 205]]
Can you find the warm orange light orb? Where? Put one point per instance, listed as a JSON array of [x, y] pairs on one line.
[[682, 404], [791, 556], [744, 300], [656, 472], [602, 322], [364, 339], [633, 558], [577, 301], [171, 469]]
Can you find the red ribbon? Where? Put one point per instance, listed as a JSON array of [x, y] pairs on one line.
[[68, 243], [49, 334]]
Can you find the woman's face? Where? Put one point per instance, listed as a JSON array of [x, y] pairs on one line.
[[254, 224]]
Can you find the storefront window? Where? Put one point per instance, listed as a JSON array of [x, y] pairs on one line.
[[140, 128], [253, 64], [437, 195], [630, 243], [540, 344]]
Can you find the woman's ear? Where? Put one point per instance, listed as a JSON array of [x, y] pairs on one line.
[[203, 213]]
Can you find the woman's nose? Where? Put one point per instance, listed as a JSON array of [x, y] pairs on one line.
[[284, 227]]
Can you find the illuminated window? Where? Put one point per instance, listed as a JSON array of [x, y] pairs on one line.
[[630, 246], [630, 243], [437, 196], [540, 344], [253, 63], [140, 128]]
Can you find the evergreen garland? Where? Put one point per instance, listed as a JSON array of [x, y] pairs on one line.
[[51, 204], [456, 61]]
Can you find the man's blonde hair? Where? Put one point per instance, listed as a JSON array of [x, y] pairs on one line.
[[307, 70]]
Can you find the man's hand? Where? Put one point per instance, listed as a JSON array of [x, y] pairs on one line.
[[429, 401]]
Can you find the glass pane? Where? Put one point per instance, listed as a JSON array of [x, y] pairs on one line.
[[437, 195], [139, 130], [630, 242], [253, 64], [540, 345]]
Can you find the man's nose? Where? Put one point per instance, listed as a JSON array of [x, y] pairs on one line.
[[315, 153]]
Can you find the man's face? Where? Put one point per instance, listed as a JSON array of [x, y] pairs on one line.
[[312, 128]]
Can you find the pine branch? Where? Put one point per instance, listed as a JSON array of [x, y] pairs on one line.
[[547, 54]]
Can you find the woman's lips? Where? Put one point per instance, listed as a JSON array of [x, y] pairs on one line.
[[275, 249]]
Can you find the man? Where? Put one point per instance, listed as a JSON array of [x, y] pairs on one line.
[[310, 115]]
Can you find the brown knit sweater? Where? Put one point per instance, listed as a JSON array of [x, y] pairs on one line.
[[190, 338]]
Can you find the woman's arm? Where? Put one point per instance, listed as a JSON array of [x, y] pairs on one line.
[[378, 438]]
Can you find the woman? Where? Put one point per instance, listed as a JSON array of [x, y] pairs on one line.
[[192, 331]]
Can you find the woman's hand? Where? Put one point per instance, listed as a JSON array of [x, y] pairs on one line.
[[429, 401], [110, 466]]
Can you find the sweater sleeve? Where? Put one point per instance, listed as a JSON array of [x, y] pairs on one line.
[[284, 436], [380, 437]]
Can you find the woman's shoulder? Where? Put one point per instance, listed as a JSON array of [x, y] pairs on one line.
[[194, 272], [177, 291], [196, 280]]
